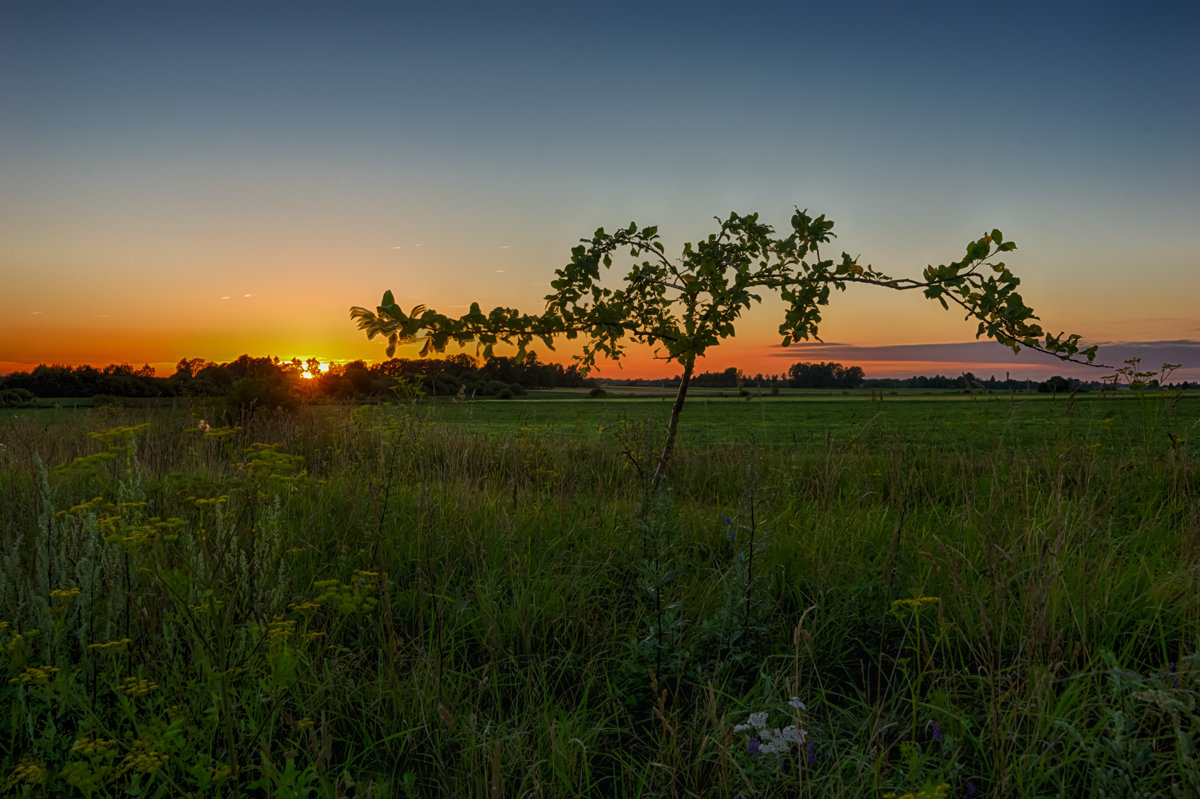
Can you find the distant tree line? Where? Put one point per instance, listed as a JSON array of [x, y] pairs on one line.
[[280, 383], [836, 376], [270, 382]]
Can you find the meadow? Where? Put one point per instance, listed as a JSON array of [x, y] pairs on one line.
[[837, 595]]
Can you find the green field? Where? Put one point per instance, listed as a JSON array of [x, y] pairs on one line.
[[932, 595]]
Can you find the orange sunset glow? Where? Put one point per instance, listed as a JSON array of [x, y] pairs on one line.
[[199, 183]]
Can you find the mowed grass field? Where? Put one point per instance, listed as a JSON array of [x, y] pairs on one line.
[[837, 595]]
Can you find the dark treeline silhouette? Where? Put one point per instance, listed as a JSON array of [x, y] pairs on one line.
[[836, 376], [270, 382], [799, 375], [273, 382]]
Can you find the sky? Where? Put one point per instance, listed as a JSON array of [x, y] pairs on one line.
[[207, 179]]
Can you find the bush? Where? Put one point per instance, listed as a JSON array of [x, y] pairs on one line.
[[494, 388], [260, 393], [108, 401], [17, 398], [597, 392]]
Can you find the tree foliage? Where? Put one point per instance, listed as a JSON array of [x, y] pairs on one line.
[[683, 306], [825, 375]]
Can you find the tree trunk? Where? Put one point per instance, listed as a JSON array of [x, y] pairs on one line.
[[665, 457]]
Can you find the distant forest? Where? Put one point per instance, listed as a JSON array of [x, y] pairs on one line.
[[270, 382], [835, 375]]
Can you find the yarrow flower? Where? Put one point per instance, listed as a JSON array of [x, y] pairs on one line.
[[772, 740]]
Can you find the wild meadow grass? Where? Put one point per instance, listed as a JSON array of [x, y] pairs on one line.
[[931, 600]]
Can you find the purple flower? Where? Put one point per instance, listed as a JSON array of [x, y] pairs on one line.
[[970, 788], [937, 732], [812, 753], [754, 745]]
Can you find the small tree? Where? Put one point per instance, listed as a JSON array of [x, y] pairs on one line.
[[682, 307]]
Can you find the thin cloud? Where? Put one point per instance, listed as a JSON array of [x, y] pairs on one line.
[[506, 246], [988, 354], [501, 271]]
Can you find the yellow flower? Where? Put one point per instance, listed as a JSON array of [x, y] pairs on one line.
[[143, 759], [28, 771], [93, 746], [280, 629], [110, 647], [37, 675], [916, 603], [65, 593], [134, 686]]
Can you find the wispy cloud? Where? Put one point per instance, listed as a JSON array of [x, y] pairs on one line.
[[506, 246], [979, 355]]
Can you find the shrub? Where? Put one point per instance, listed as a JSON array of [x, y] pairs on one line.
[[17, 398], [260, 393]]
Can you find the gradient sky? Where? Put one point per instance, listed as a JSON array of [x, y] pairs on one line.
[[206, 179]]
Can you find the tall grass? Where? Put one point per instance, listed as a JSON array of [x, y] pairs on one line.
[[370, 602]]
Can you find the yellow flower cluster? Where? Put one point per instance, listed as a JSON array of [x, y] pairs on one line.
[[117, 433], [306, 607], [143, 759], [135, 686], [37, 675], [111, 647], [93, 746], [345, 598], [27, 772], [280, 630], [16, 641], [916, 603], [86, 507], [65, 593]]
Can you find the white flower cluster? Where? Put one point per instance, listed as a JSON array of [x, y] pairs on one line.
[[773, 740]]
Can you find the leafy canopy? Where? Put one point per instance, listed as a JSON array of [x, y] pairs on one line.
[[683, 306]]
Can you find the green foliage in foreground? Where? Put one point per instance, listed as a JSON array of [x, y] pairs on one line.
[[378, 602]]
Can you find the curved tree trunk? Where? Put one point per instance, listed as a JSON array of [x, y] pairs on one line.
[[665, 457]]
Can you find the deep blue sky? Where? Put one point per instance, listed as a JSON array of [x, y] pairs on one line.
[[158, 157]]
